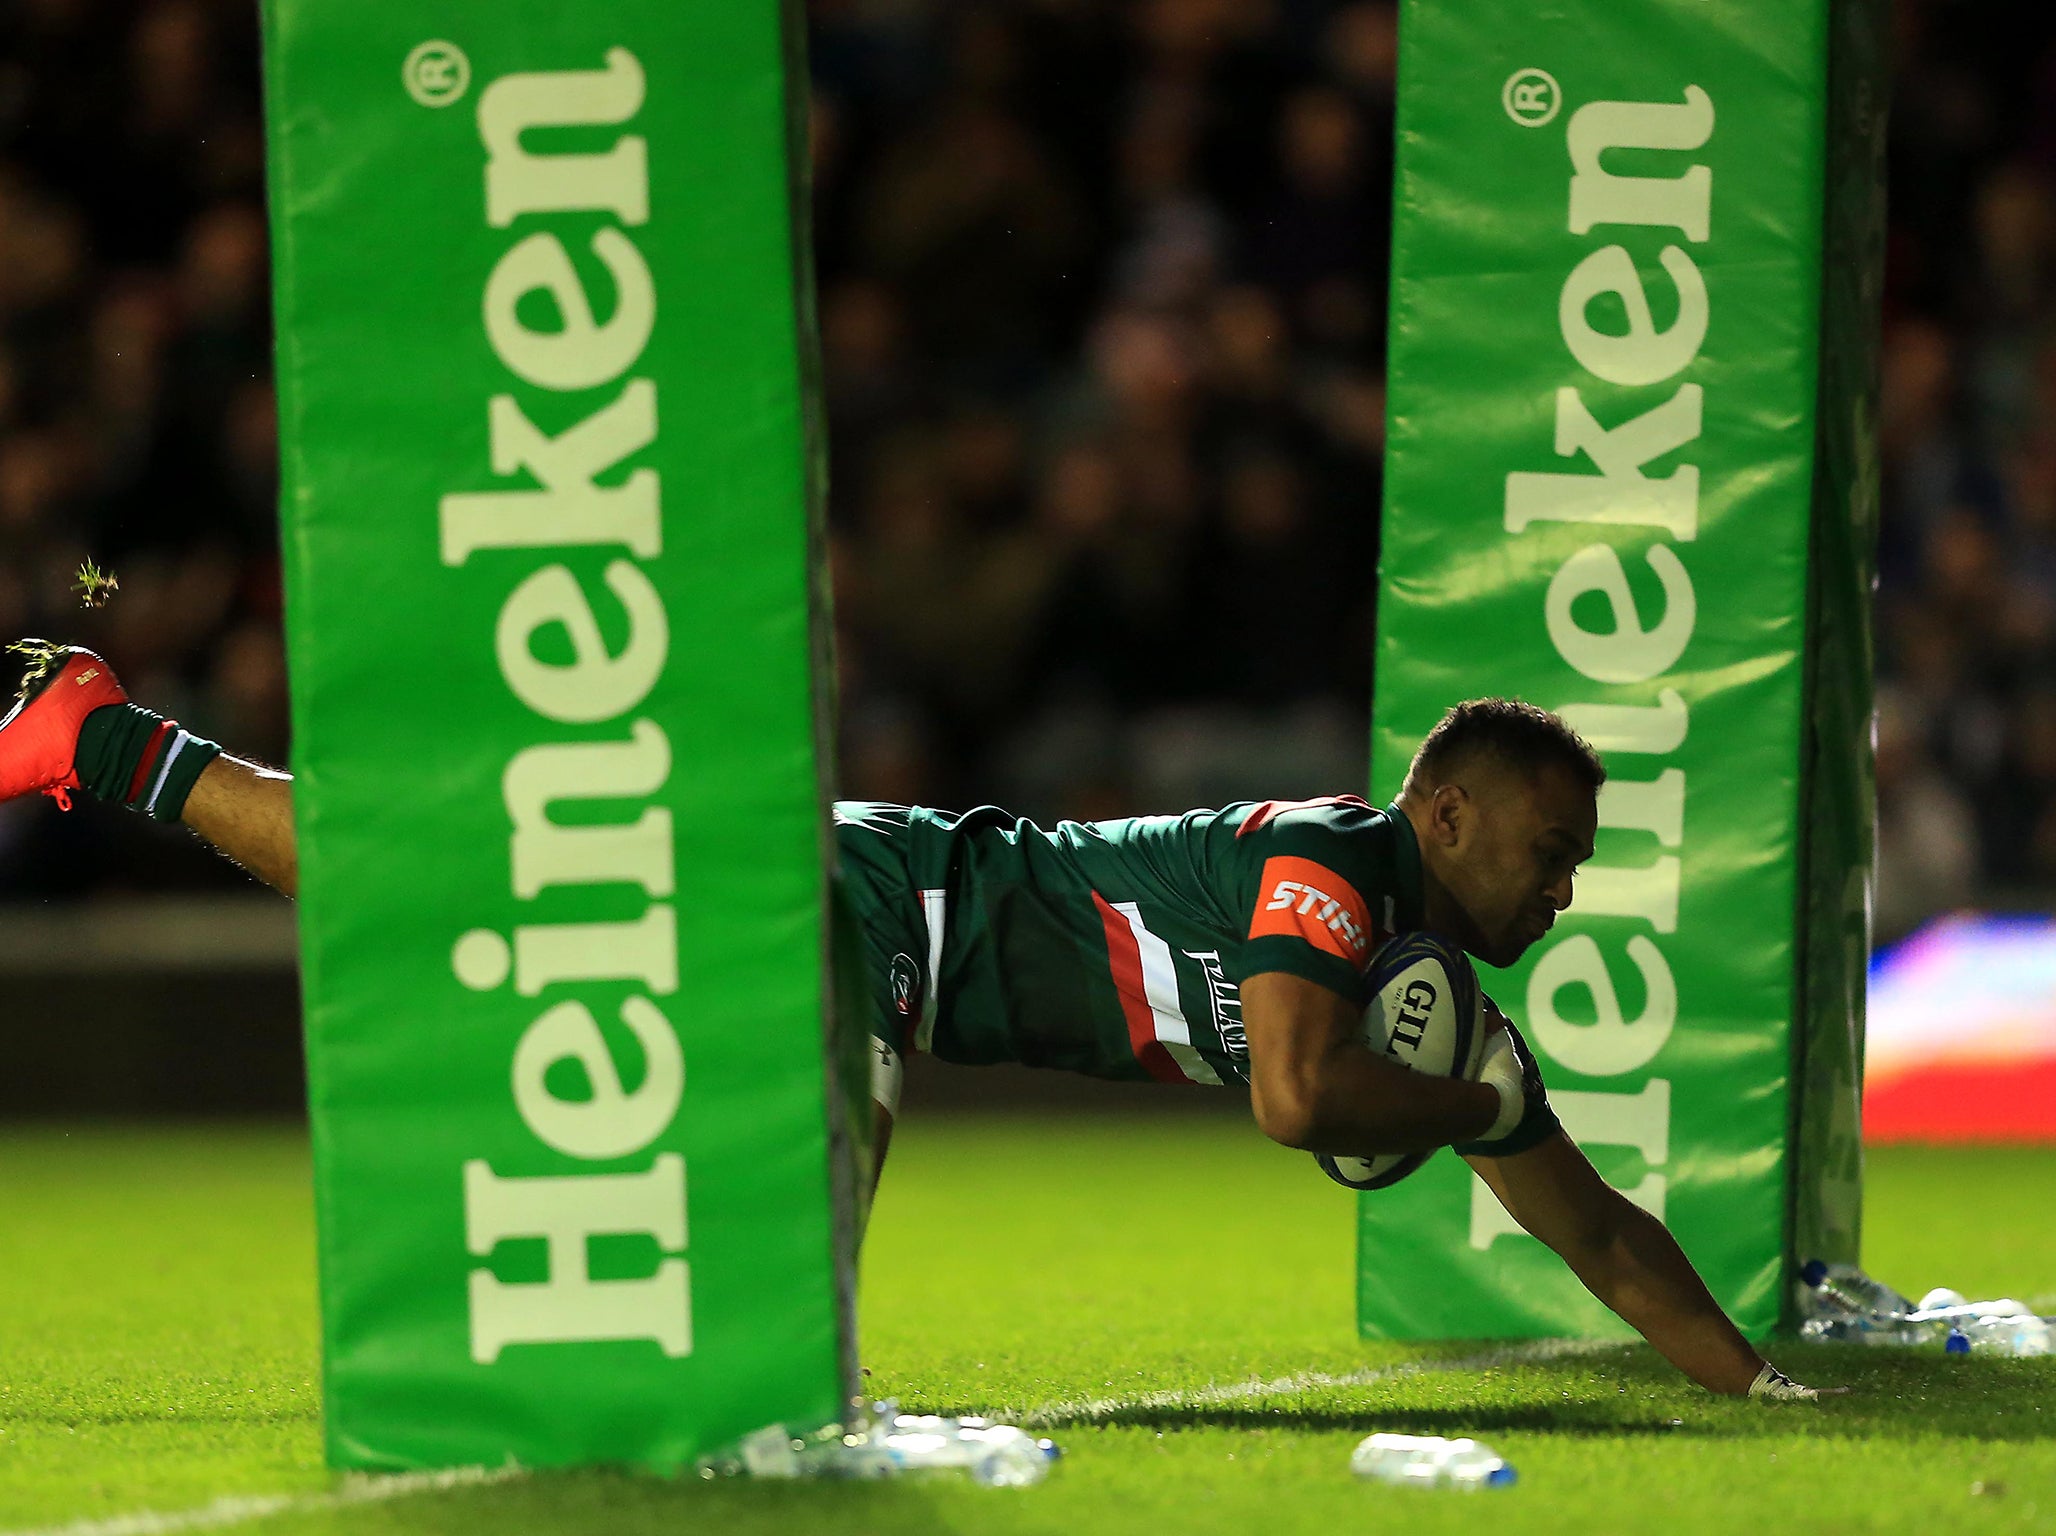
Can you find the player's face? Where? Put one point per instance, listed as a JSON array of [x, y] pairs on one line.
[[1519, 845]]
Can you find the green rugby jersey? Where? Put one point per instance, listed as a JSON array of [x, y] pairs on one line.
[[1116, 948]]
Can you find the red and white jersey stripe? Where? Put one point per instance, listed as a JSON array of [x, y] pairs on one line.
[[1147, 982]]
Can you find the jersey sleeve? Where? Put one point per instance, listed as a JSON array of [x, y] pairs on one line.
[[1322, 871]]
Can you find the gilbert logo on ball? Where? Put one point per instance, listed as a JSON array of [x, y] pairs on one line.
[[1426, 1014]]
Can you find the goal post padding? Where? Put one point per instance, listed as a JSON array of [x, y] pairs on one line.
[[1624, 482], [550, 518], [1838, 814]]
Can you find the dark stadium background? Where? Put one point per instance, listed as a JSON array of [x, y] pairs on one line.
[[1102, 306]]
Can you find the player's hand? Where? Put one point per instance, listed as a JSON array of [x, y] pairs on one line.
[[1503, 1071], [1509, 1068], [1773, 1385]]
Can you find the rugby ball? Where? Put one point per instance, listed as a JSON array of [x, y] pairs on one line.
[[1426, 1014]]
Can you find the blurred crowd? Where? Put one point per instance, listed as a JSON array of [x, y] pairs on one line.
[[1102, 312], [136, 417], [1102, 306], [1966, 614]]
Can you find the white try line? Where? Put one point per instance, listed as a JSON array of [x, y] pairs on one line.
[[239, 1511], [377, 1490], [1098, 1410], [1082, 1410]]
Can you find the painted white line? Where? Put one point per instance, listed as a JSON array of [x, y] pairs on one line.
[[239, 1511], [1082, 1410], [1098, 1410]]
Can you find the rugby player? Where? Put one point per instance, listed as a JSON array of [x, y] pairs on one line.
[[1219, 947]]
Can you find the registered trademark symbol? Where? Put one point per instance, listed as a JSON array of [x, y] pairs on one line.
[[1531, 97], [436, 73]]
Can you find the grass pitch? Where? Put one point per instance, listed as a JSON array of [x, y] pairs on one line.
[[158, 1353]]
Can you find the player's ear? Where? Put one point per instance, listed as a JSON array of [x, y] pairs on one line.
[[1448, 812]]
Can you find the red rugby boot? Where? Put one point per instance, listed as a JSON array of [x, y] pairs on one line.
[[39, 738]]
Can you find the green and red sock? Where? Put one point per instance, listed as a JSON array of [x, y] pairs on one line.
[[129, 756]]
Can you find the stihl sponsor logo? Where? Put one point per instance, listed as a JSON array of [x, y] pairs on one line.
[[1312, 901], [1306, 900]]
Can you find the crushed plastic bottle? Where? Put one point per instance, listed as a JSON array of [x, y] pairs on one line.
[[1850, 1307], [1845, 1290], [998, 1455], [2021, 1334], [1865, 1329], [879, 1441], [771, 1452], [1957, 1310], [1430, 1461]]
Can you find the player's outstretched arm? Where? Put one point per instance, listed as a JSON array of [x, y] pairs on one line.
[[1314, 1084], [1630, 1261]]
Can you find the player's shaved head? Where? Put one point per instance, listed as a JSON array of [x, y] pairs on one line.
[[1509, 733], [1503, 799]]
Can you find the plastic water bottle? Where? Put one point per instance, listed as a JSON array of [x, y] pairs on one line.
[[998, 1455], [883, 1443], [2003, 1327], [1853, 1308], [1429, 1461], [1958, 1310], [770, 1452], [1866, 1329], [2023, 1334], [1845, 1288]]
